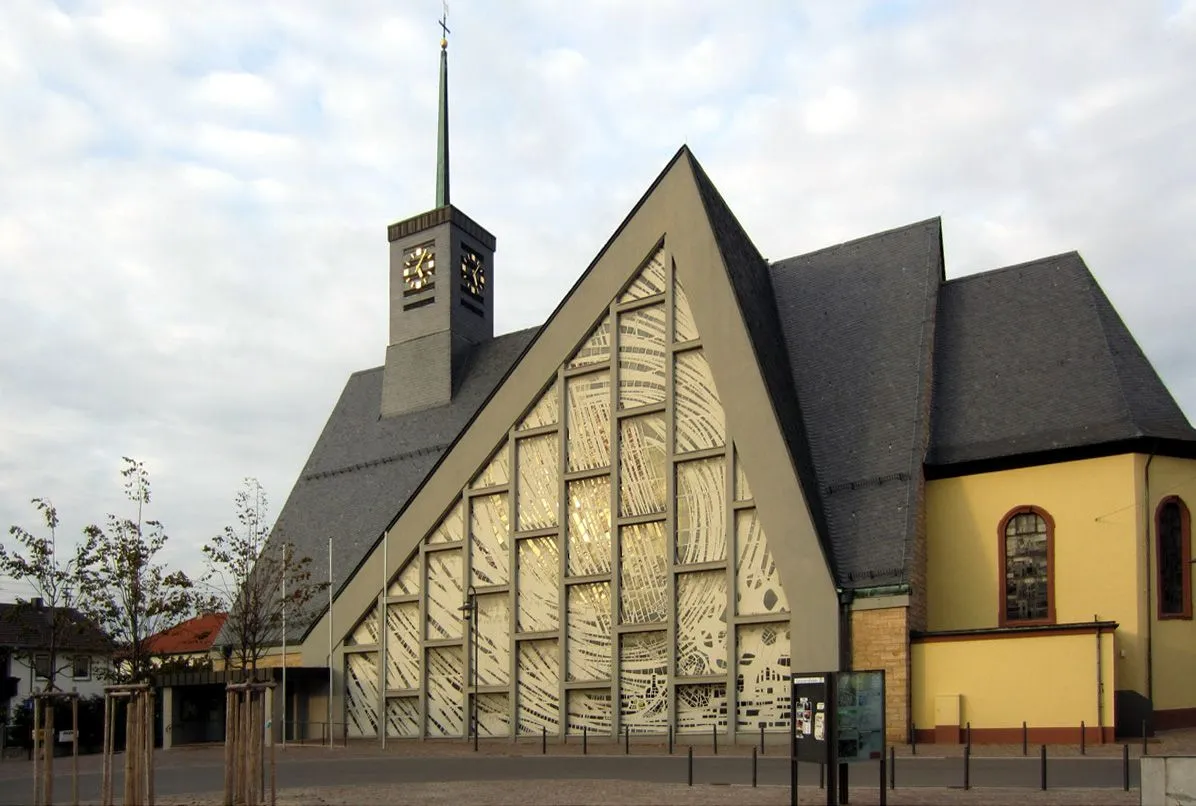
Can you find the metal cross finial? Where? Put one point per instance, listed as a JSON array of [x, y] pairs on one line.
[[444, 23]]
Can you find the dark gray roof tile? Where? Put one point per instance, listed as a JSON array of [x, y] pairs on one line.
[[1034, 358], [859, 320]]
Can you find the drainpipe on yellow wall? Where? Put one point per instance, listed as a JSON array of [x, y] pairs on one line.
[[1149, 584], [1100, 685]]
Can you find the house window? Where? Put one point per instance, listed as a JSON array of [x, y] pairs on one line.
[[41, 666], [81, 667], [1027, 557], [1174, 559]]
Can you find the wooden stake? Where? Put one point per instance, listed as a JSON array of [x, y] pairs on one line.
[[130, 742], [49, 748], [149, 748], [230, 735], [106, 766], [273, 770], [37, 732], [75, 750]]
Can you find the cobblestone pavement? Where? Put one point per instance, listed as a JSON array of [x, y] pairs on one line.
[[617, 792], [625, 793]]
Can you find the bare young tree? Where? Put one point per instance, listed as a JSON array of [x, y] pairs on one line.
[[134, 596], [257, 580], [49, 621]]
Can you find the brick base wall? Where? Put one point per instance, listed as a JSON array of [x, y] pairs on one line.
[[880, 640]]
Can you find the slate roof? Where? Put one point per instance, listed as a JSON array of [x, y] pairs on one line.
[[858, 321], [193, 635], [26, 626], [1034, 358], [364, 469]]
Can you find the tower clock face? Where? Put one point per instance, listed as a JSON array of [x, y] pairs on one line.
[[419, 268], [473, 273]]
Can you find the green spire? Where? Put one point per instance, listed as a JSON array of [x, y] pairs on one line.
[[442, 128]]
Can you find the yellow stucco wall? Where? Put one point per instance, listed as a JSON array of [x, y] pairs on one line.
[[1102, 509], [991, 676], [1174, 641], [1098, 548]]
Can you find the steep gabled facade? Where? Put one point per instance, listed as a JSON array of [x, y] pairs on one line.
[[602, 512]]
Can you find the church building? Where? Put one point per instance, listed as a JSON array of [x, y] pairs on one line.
[[708, 471]]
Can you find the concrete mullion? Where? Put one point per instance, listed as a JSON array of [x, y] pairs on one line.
[[563, 558], [513, 575], [732, 571], [423, 641], [670, 525], [616, 538], [467, 637]]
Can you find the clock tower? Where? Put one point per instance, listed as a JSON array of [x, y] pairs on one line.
[[441, 290]]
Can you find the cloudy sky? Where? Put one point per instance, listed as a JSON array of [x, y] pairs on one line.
[[194, 196]]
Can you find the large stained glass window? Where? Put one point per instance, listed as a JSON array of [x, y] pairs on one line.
[[621, 575], [1027, 556], [1173, 527]]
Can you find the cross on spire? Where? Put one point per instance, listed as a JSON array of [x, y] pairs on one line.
[[444, 27]]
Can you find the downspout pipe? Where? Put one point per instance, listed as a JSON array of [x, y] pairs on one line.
[[845, 599], [1149, 583]]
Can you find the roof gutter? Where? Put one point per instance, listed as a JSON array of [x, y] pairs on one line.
[[900, 589]]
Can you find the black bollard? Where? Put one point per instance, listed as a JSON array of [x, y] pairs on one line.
[[792, 778], [626, 740], [967, 767], [753, 768], [968, 735], [1025, 739], [913, 741], [714, 733], [543, 740], [1043, 767], [670, 740], [761, 738], [892, 768], [1125, 767], [691, 765], [1145, 749], [1083, 740], [883, 792], [585, 740]]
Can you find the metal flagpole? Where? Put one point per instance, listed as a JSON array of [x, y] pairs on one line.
[[383, 631], [330, 642], [286, 558]]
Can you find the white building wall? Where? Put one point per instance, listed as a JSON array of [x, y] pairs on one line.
[[27, 682]]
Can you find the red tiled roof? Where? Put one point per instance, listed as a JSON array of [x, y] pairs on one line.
[[194, 635]]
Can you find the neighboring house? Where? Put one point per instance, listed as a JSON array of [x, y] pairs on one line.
[[708, 470], [84, 653], [187, 645]]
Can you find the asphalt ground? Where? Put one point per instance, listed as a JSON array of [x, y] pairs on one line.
[[197, 774]]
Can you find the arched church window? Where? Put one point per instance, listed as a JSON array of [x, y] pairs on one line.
[[1027, 560], [1174, 559]]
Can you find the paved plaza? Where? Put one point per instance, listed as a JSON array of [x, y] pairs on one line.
[[506, 772]]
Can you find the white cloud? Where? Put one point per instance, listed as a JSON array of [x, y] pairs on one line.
[[832, 112], [237, 90]]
